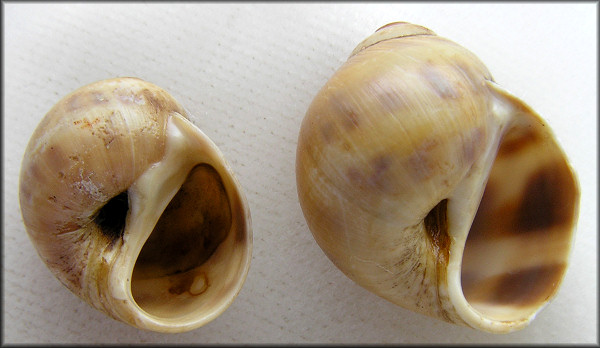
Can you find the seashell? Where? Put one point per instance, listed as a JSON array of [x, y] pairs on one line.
[[134, 209], [433, 187]]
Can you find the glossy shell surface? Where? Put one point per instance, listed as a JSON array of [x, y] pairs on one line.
[[430, 185]]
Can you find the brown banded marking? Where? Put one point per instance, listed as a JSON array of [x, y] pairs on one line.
[[547, 201], [524, 287], [545, 205], [517, 139]]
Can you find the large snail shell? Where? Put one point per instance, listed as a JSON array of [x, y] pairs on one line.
[[134, 209], [431, 186]]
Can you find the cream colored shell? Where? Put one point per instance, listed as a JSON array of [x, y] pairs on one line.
[[134, 209], [431, 186]]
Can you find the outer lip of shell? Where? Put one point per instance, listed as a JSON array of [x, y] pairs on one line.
[[226, 269]]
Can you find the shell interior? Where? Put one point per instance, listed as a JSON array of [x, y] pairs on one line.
[[517, 249], [168, 273]]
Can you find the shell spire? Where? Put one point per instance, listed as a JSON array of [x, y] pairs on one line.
[[390, 31]]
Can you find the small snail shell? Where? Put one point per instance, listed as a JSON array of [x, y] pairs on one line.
[[429, 185], [134, 209]]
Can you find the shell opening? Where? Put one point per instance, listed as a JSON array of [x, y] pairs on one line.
[[168, 276], [517, 249]]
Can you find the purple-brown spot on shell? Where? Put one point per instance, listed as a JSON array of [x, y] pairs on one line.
[[151, 98], [474, 79], [421, 165], [373, 176], [159, 102], [351, 120], [347, 117], [35, 173], [380, 165], [473, 145], [327, 132], [388, 94], [439, 82], [76, 101], [355, 177]]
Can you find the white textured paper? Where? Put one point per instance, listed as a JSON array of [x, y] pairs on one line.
[[247, 73]]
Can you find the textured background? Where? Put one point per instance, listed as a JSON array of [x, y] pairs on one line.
[[247, 73]]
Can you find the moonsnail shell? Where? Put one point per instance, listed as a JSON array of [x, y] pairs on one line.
[[134, 209], [433, 187]]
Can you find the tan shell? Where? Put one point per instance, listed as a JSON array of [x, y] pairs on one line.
[[134, 209], [434, 188]]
